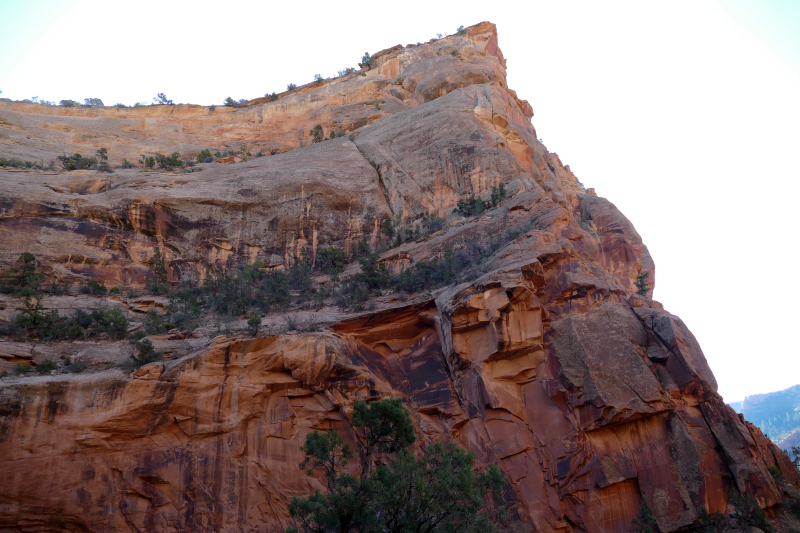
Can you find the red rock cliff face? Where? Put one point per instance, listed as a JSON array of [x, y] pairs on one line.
[[587, 395]]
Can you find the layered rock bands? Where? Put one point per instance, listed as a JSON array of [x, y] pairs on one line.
[[588, 395]]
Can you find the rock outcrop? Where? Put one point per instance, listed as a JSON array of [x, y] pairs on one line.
[[588, 395]]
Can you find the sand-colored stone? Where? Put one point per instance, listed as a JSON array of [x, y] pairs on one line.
[[546, 362]]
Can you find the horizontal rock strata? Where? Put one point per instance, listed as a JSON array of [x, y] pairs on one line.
[[588, 395]]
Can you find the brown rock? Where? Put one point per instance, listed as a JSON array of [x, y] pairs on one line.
[[543, 361]]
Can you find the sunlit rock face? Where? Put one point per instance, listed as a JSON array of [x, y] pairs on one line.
[[588, 395]]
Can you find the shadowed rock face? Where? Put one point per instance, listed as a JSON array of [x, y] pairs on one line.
[[587, 395]]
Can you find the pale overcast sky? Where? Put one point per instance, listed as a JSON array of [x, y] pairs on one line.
[[685, 114]]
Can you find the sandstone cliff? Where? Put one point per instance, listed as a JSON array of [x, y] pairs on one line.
[[588, 395]]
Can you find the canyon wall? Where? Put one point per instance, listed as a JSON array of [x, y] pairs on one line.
[[587, 394]]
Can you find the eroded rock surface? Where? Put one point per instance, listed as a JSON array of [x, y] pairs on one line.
[[588, 395]]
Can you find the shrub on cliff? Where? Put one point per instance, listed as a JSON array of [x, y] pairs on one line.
[[22, 276], [642, 287], [475, 206], [367, 60], [92, 101], [317, 133], [158, 284], [68, 103], [46, 366], [645, 521], [94, 288], [238, 291], [253, 325], [79, 325], [77, 162], [162, 99], [145, 353], [169, 162], [439, 491], [21, 369], [425, 275], [204, 154], [748, 512], [146, 161], [373, 274], [291, 87], [331, 259]]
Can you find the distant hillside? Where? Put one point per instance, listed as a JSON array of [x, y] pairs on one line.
[[777, 414]]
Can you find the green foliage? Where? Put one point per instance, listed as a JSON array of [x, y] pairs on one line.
[[367, 60], [345, 71], [300, 279], [642, 287], [793, 501], [77, 162], [102, 154], [427, 274], [332, 135], [161, 98], [253, 325], [80, 325], [440, 491], [461, 31], [776, 474], [146, 161], [46, 366], [145, 353], [78, 366], [92, 101], [229, 101], [272, 97], [19, 163], [23, 276], [317, 133], [291, 87], [21, 369], [318, 78], [168, 162], [51, 326], [94, 288], [331, 260], [68, 103], [247, 288], [159, 283], [470, 207], [498, 194], [153, 323], [204, 154], [114, 291], [127, 164], [475, 206], [748, 512], [383, 427], [710, 523], [645, 521], [373, 274]]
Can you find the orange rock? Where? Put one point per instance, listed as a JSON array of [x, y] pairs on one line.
[[544, 361]]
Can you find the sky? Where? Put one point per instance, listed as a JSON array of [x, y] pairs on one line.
[[685, 114]]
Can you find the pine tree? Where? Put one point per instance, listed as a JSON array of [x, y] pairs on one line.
[[159, 283]]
